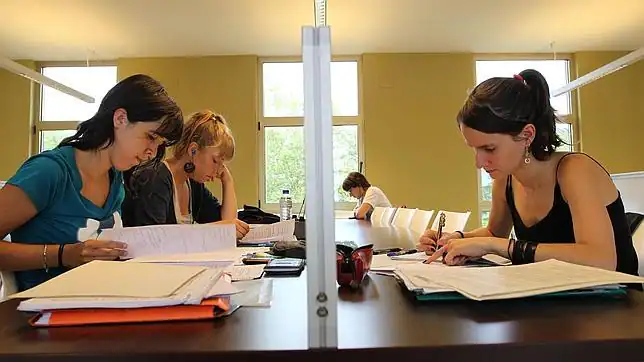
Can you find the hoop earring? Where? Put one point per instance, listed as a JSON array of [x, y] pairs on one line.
[[527, 159]]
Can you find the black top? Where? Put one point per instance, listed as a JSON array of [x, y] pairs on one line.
[[557, 225], [149, 199]]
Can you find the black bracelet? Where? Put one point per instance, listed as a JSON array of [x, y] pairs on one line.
[[510, 243], [524, 246], [460, 233], [61, 247], [517, 253], [531, 249]]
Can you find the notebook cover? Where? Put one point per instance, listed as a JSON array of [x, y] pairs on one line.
[[208, 309]]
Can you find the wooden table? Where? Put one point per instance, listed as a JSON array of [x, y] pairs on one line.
[[377, 322]]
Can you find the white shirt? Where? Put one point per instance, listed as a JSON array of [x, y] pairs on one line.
[[374, 197]]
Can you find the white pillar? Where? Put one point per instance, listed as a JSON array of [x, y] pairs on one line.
[[322, 291]]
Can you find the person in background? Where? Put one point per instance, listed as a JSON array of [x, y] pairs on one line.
[[562, 205], [55, 194], [368, 196], [175, 193]]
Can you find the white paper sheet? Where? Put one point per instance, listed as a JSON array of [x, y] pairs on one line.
[[227, 256], [158, 240], [280, 231], [257, 293]]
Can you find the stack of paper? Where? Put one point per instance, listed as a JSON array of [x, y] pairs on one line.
[[517, 281], [115, 292]]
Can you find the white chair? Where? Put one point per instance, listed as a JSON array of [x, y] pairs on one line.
[[453, 220], [638, 244], [8, 284], [387, 216], [420, 221], [403, 217], [376, 216]]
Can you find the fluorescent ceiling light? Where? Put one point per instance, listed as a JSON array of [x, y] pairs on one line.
[[20, 69], [607, 69]]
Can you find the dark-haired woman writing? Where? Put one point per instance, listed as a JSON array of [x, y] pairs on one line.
[[56, 194], [562, 205]]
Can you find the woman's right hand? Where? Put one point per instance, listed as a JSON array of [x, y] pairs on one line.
[[429, 242], [88, 250]]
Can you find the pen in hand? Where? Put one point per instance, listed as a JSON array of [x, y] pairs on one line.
[[439, 234]]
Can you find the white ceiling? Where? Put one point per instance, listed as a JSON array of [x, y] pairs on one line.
[[109, 29]]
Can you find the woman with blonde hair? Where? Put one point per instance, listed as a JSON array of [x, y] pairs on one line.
[[174, 192]]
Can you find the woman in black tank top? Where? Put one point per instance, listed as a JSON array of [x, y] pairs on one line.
[[562, 206]]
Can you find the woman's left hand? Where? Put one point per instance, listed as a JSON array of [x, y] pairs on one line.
[[459, 251]]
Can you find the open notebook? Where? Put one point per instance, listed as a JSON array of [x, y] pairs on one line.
[[506, 282]]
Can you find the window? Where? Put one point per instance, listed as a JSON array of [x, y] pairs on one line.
[[282, 132], [61, 113], [556, 73]]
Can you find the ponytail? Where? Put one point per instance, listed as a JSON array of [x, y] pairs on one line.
[[506, 105], [544, 119]]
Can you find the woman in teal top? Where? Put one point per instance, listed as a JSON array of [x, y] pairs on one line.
[[55, 195]]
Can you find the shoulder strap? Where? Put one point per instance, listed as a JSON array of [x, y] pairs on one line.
[[579, 153]]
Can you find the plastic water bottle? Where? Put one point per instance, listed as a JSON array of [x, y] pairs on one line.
[[286, 205]]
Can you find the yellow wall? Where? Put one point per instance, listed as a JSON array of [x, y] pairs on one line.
[[413, 148], [15, 106], [227, 85], [611, 113]]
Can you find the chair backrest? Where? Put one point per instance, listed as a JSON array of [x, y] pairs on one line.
[[638, 244], [403, 217], [453, 220], [376, 215], [8, 284], [387, 216], [420, 221]]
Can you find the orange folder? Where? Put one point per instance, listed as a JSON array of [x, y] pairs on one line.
[[208, 309]]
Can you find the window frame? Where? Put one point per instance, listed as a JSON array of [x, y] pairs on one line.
[[38, 125], [263, 122], [571, 119]]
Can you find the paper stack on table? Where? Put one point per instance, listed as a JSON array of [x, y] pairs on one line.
[[506, 282], [116, 292]]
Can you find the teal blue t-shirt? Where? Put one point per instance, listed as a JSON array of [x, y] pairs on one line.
[[53, 183]]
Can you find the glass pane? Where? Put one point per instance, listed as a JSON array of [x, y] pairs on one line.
[[564, 131], [284, 160], [345, 158], [94, 81], [485, 218], [556, 73], [486, 186], [283, 89], [51, 139]]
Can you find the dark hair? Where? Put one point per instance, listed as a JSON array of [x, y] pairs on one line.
[[355, 179], [145, 100], [507, 105]]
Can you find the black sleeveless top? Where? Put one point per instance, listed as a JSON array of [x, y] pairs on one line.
[[557, 225]]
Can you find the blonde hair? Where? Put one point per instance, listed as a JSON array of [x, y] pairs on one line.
[[206, 129]]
